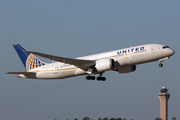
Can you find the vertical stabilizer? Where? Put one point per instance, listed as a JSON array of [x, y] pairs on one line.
[[28, 59]]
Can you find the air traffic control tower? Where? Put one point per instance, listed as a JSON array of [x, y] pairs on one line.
[[164, 97]]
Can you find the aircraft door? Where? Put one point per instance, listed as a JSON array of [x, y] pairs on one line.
[[153, 49]]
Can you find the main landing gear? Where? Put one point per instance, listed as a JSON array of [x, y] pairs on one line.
[[90, 77], [100, 78]]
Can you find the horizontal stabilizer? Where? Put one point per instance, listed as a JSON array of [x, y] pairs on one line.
[[19, 73]]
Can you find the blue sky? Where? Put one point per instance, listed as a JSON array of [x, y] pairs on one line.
[[78, 28]]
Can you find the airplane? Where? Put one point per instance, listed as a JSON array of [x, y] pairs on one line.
[[122, 61]]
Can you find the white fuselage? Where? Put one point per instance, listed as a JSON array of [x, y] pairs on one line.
[[122, 57]]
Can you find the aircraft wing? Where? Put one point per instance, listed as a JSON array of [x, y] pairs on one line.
[[83, 64]]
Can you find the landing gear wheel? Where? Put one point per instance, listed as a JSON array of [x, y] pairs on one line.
[[90, 77], [101, 78], [160, 65]]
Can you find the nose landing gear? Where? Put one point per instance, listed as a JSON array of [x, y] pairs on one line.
[[161, 60], [160, 64]]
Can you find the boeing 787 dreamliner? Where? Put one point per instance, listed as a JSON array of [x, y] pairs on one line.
[[122, 61]]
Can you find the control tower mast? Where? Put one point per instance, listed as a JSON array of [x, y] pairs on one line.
[[164, 97]]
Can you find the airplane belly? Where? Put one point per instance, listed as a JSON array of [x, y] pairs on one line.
[[55, 74], [42, 75], [66, 73]]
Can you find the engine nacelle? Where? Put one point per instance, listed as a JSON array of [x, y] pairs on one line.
[[104, 65], [127, 69]]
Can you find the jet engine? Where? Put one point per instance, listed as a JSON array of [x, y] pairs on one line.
[[105, 65], [127, 69]]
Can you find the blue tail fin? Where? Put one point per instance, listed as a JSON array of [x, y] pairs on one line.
[[28, 59]]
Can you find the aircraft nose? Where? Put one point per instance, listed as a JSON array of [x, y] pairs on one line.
[[172, 52]]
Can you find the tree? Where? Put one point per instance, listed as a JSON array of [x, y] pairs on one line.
[[86, 118], [99, 119], [112, 119], [174, 118], [75, 119], [118, 119], [105, 118], [158, 119]]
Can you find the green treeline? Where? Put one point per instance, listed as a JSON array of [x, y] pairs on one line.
[[87, 118]]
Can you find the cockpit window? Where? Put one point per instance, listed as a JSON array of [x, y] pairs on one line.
[[164, 47]]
